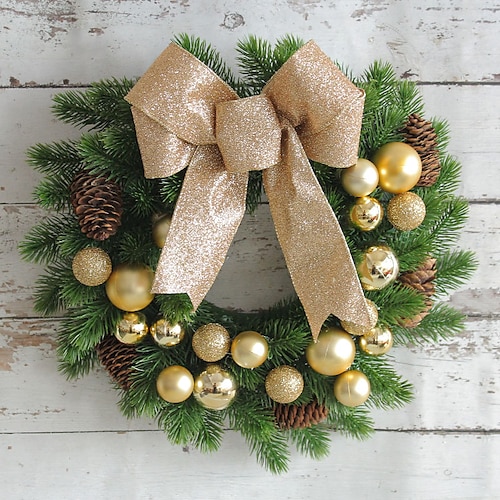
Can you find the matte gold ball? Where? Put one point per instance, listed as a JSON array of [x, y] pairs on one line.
[[355, 329], [129, 287], [165, 333], [332, 353], [214, 388], [376, 342], [366, 213], [284, 384], [175, 384], [399, 167], [131, 328], [91, 266], [211, 342], [352, 388], [378, 268], [406, 211], [360, 179], [249, 349], [161, 227]]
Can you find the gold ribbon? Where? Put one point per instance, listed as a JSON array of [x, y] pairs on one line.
[[186, 116]]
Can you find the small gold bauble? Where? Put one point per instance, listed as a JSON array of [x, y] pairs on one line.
[[91, 266], [175, 384], [355, 329], [360, 179], [351, 388], [129, 287], [406, 211], [214, 388], [211, 342], [376, 342], [132, 328], [284, 384], [161, 227], [165, 333], [249, 349], [366, 213], [332, 353], [399, 167], [378, 268]]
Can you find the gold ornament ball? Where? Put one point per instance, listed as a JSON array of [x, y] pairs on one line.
[[91, 266], [332, 353], [165, 333], [360, 179], [378, 268], [214, 388], [352, 388], [406, 211], [249, 349], [129, 287], [131, 328], [284, 384], [175, 384], [376, 342], [161, 227], [355, 329], [211, 342], [366, 213], [399, 167]]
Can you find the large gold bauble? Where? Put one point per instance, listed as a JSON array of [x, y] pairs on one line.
[[165, 333], [352, 388], [129, 287], [284, 384], [378, 268], [355, 329], [332, 353], [360, 179], [175, 384], [161, 227], [376, 342], [249, 349], [366, 213], [132, 328], [406, 211], [211, 342], [214, 388], [91, 266], [399, 167]]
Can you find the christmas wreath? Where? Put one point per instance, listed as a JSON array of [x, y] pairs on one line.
[[135, 240]]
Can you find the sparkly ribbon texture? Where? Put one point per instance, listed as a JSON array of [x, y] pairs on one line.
[[186, 116]]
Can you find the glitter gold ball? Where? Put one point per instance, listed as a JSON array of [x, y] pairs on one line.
[[211, 342], [175, 384], [360, 179], [377, 341], [92, 266], [406, 211], [355, 329], [352, 388], [378, 268], [131, 328], [161, 227], [214, 388], [284, 384], [366, 213], [165, 333], [249, 349]]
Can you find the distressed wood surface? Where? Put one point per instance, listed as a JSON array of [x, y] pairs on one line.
[[60, 438]]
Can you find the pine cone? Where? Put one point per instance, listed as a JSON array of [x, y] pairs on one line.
[[97, 202], [117, 359], [295, 417]]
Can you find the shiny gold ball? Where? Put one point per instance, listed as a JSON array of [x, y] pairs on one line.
[[352, 388], [332, 353], [131, 328], [360, 179], [376, 342], [284, 384], [165, 333], [378, 268], [355, 329], [366, 213], [175, 384], [399, 167], [406, 211], [91, 266], [161, 227], [129, 287], [249, 349], [214, 388], [211, 342]]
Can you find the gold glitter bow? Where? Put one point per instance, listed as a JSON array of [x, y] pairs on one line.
[[186, 116]]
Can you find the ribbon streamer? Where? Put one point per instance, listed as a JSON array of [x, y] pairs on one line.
[[186, 116]]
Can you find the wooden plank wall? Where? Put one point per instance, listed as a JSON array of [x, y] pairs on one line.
[[61, 439]]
